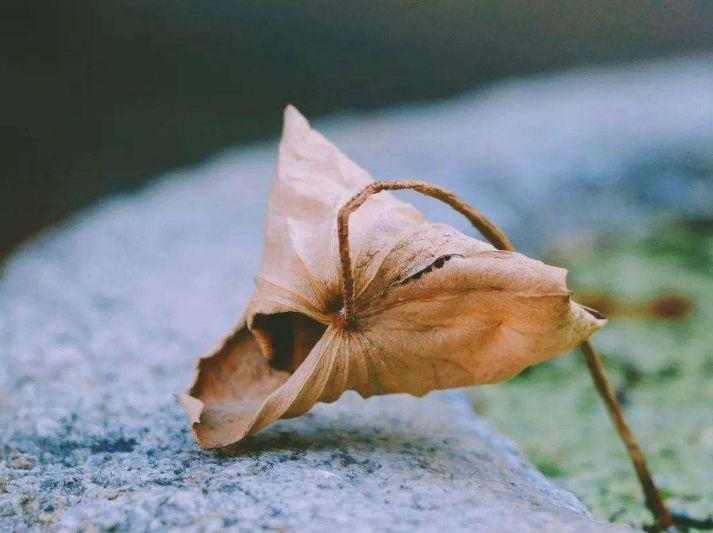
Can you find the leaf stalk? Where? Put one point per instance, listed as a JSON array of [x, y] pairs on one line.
[[497, 238]]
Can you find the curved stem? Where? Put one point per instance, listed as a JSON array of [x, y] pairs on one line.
[[497, 238], [489, 230]]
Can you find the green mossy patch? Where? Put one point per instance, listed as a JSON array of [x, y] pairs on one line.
[[662, 369]]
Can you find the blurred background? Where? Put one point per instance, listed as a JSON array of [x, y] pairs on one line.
[[585, 128], [98, 97]]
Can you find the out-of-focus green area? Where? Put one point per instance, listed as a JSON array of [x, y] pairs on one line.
[[658, 349]]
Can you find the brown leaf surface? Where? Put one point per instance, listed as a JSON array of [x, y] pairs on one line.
[[434, 308]]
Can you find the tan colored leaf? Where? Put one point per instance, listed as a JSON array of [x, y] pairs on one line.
[[433, 308]]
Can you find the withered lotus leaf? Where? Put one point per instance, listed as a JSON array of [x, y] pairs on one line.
[[433, 308]]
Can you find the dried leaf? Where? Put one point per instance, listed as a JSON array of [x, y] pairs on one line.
[[434, 308]]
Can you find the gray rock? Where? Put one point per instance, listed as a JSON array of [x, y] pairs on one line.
[[397, 464], [101, 320]]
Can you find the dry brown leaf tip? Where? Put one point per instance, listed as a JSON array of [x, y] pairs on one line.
[[433, 308]]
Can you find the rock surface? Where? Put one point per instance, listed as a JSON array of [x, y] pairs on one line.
[[101, 321]]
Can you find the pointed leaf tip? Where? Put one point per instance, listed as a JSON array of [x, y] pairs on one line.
[[294, 121], [192, 406]]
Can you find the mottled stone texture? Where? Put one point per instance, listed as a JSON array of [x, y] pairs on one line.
[[101, 320]]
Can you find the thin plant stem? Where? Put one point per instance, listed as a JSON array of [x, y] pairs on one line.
[[497, 238], [599, 376], [489, 230]]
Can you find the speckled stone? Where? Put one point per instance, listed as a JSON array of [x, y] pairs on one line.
[[102, 319], [100, 325]]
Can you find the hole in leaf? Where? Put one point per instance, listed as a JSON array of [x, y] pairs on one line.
[[286, 339], [438, 263]]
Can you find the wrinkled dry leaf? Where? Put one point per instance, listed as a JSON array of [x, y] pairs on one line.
[[434, 308]]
